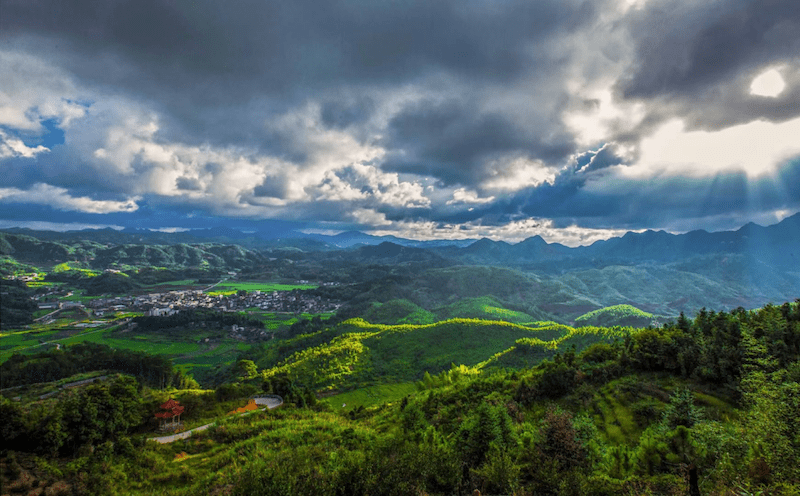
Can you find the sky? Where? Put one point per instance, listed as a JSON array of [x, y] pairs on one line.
[[573, 120]]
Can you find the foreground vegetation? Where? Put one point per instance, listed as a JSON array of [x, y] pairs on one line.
[[699, 406]]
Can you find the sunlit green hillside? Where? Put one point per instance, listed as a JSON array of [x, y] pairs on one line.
[[625, 315], [356, 352]]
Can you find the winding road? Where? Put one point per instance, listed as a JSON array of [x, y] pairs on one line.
[[268, 402]]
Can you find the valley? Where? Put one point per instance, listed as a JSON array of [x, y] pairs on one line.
[[586, 376]]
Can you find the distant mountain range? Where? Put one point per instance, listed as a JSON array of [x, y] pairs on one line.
[[781, 240], [657, 272], [778, 244]]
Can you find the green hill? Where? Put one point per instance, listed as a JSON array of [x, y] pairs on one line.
[[621, 315], [398, 312], [484, 307], [528, 352], [357, 353]]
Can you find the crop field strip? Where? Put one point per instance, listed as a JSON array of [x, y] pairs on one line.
[[260, 286]]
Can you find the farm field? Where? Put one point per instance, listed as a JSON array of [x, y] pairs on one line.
[[274, 321], [369, 396], [188, 354], [260, 286], [24, 340]]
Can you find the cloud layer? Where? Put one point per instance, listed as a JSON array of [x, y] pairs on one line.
[[569, 119]]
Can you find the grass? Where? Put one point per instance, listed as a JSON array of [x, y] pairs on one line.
[[260, 286], [157, 347], [21, 340], [616, 315], [166, 285], [187, 353], [484, 307], [359, 353], [274, 321], [79, 295], [369, 396], [614, 419]]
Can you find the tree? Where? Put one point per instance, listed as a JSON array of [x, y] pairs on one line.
[[489, 425], [681, 410], [560, 440], [245, 369], [101, 412]]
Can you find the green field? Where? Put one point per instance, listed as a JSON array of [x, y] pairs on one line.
[[369, 396], [187, 353], [260, 286], [182, 282], [20, 340]]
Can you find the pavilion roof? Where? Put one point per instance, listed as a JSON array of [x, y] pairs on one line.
[[174, 412], [169, 405]]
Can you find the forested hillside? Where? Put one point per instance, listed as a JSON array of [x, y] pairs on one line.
[[698, 406]]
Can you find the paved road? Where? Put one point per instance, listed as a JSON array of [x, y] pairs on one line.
[[269, 402]]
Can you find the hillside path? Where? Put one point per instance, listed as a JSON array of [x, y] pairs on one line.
[[269, 402], [215, 284]]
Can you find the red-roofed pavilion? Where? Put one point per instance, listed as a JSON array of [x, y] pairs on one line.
[[170, 415]]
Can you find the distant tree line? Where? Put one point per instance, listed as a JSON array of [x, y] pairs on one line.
[[206, 318], [154, 370], [16, 304]]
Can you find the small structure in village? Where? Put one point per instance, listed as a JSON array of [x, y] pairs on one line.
[[170, 415]]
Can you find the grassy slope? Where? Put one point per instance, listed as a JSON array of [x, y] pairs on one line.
[[370, 396], [484, 307], [399, 312], [357, 353], [616, 315]]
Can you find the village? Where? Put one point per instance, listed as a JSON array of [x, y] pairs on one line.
[[169, 303]]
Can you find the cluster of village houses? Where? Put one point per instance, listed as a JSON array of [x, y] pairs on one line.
[[164, 304]]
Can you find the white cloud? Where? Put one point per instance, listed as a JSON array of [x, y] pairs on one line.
[[15, 147], [170, 229], [462, 195], [514, 231], [370, 217], [515, 173], [33, 90], [333, 188], [59, 198]]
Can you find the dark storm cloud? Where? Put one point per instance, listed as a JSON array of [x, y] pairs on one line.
[[451, 93], [696, 60], [217, 70], [188, 184], [342, 112], [452, 141], [683, 46], [278, 45], [272, 187]]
